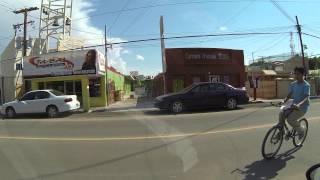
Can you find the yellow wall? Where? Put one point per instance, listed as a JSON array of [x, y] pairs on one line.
[[86, 100], [102, 100]]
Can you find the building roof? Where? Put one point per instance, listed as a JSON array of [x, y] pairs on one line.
[[203, 48], [112, 69]]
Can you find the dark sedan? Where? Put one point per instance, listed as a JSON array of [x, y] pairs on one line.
[[203, 95]]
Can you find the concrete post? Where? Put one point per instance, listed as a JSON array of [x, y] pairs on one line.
[[85, 94]]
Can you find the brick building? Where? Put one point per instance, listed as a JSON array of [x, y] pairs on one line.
[[185, 66]]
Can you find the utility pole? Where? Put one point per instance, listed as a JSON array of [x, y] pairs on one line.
[[301, 44], [25, 23], [18, 26], [106, 61]]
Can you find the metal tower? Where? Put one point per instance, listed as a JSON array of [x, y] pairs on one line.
[[292, 44], [55, 23]]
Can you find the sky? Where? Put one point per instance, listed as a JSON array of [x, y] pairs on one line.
[[139, 19]]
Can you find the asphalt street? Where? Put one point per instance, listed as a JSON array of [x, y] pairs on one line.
[[144, 145]]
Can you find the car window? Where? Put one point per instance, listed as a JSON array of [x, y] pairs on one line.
[[212, 87], [220, 87], [204, 88], [196, 89], [42, 95], [57, 93], [28, 96]]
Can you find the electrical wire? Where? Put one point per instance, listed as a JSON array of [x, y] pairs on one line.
[[187, 3], [137, 18], [119, 14], [282, 11]]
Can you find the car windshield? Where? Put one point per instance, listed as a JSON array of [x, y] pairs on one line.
[[187, 89], [57, 93]]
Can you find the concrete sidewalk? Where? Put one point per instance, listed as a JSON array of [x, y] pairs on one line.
[[127, 105]]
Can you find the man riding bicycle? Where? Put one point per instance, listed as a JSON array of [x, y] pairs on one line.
[[299, 91]]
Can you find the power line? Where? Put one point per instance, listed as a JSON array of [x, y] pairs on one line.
[[119, 14], [109, 45], [137, 18], [311, 35], [282, 11], [186, 3], [237, 14]]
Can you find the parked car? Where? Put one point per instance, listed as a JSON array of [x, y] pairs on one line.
[[202, 95], [41, 101]]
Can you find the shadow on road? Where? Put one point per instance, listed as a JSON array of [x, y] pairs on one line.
[[266, 169], [36, 116], [193, 111]]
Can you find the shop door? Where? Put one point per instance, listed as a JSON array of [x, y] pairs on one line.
[[214, 78], [178, 84]]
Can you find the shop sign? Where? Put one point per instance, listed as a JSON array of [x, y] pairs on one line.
[[84, 62], [207, 56]]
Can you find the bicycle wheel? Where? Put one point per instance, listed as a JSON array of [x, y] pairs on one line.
[[299, 141], [272, 142]]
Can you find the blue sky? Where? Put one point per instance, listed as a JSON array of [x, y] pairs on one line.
[[198, 17]]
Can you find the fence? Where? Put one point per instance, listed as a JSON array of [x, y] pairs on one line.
[[267, 89], [279, 88]]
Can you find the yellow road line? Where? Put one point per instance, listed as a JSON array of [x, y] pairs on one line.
[[143, 137]]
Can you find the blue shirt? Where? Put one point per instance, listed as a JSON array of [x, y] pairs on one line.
[[299, 92]]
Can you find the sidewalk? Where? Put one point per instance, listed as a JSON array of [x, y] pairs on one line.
[[127, 105]]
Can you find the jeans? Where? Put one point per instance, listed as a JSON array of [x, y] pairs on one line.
[[293, 119]]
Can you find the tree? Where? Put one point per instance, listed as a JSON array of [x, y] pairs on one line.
[[314, 63]]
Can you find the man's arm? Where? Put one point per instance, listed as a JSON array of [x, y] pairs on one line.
[[288, 97], [303, 101]]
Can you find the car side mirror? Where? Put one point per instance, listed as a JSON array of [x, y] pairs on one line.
[[313, 173]]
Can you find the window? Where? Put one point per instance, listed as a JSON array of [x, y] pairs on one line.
[[94, 87], [201, 89], [41, 85], [220, 87], [27, 86], [57, 93], [28, 96], [204, 88], [42, 95]]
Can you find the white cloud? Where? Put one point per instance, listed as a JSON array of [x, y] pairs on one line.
[[125, 51], [223, 28], [81, 9], [139, 57]]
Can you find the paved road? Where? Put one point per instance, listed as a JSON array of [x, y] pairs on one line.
[[152, 145]]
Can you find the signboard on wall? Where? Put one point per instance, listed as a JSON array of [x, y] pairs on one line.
[[83, 62], [207, 56]]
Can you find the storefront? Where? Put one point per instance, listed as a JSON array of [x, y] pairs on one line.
[[185, 66], [82, 73]]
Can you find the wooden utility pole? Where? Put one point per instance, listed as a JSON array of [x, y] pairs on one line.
[[25, 23], [301, 44]]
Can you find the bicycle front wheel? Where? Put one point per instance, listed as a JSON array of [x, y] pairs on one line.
[[297, 141], [272, 142]]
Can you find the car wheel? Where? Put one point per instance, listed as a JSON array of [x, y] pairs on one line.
[[177, 107], [232, 103], [52, 111], [10, 112]]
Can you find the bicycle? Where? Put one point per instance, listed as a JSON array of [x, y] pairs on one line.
[[281, 131]]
